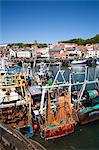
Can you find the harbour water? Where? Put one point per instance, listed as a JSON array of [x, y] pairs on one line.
[[85, 137]]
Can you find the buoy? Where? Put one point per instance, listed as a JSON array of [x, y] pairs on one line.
[[93, 93], [35, 126]]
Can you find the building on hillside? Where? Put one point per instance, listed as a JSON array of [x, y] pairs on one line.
[[12, 53], [56, 52], [92, 50], [24, 54], [61, 55], [3, 45], [73, 53], [92, 53]]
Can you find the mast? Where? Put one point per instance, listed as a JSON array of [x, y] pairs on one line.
[[42, 100], [84, 85], [29, 110]]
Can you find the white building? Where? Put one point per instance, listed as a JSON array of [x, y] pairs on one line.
[[3, 45], [92, 53], [69, 45], [24, 54], [76, 52], [12, 53], [92, 50]]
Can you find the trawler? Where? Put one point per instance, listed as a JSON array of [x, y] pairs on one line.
[[15, 103], [87, 101], [59, 120], [57, 115], [61, 109]]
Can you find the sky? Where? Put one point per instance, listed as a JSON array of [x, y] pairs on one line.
[[47, 21]]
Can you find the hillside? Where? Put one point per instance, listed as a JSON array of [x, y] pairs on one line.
[[21, 45], [80, 41]]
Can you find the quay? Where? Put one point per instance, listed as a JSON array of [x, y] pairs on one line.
[[12, 139]]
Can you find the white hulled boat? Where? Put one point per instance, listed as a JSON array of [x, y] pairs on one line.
[[97, 62], [78, 62]]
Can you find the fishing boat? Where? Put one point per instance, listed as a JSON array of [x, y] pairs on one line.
[[83, 98], [15, 103], [78, 62], [13, 70], [88, 101], [90, 108], [89, 114], [97, 62], [57, 119], [3, 70], [41, 75]]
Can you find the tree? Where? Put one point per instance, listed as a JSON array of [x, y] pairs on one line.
[[80, 41]]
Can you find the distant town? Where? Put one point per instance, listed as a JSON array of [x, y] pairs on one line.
[[72, 49]]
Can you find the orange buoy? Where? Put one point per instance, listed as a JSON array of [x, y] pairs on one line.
[[35, 126]]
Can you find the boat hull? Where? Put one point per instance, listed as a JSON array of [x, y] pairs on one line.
[[97, 62], [79, 62], [58, 131], [89, 116]]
